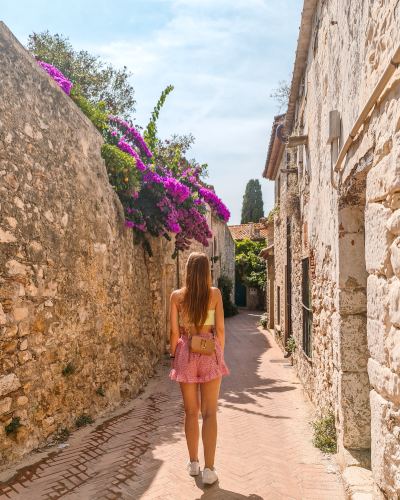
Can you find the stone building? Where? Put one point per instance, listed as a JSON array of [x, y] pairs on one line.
[[249, 297], [83, 311], [337, 256]]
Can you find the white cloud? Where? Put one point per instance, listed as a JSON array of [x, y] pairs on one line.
[[223, 58]]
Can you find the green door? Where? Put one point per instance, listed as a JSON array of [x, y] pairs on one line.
[[240, 296]]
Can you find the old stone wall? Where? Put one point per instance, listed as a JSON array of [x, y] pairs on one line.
[[75, 292], [351, 232], [280, 251], [84, 313]]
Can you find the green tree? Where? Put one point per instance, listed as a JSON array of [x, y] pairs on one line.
[[92, 78], [250, 270], [253, 205]]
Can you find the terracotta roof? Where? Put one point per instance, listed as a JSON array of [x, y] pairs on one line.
[[242, 231], [275, 149]]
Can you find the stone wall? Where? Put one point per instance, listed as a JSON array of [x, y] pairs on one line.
[[74, 290], [352, 232]]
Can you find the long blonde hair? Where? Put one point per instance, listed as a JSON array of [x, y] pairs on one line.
[[197, 291]]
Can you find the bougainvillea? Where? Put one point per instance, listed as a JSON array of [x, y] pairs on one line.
[[215, 203], [158, 200], [63, 82], [123, 146], [130, 134]]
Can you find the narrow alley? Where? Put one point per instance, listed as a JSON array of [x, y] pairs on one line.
[[264, 449]]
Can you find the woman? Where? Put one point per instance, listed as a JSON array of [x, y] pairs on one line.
[[194, 309]]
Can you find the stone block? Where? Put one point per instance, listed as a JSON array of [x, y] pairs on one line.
[[23, 329], [5, 405], [384, 381], [39, 325], [9, 347], [377, 334], [352, 272], [393, 223], [394, 302], [24, 356], [385, 446], [354, 414], [20, 313], [3, 317], [9, 383], [6, 237], [352, 344], [358, 483], [395, 256], [352, 302], [393, 348], [22, 401], [378, 298], [15, 268], [377, 239], [351, 219], [383, 179]]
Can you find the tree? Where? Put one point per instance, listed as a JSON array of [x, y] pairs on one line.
[[250, 270], [281, 93], [253, 205], [91, 78]]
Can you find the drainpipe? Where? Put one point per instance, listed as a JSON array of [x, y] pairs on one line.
[[379, 88]]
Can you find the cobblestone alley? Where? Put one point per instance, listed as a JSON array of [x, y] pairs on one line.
[[264, 449]]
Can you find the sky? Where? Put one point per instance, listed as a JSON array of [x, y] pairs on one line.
[[223, 57]]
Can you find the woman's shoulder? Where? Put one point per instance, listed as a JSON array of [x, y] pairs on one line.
[[177, 293], [216, 292]]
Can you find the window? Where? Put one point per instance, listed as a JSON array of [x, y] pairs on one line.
[[215, 247], [307, 309], [278, 312]]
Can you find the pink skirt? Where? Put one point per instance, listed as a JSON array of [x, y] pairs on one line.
[[201, 368]]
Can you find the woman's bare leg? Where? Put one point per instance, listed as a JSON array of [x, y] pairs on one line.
[[209, 403], [191, 401]]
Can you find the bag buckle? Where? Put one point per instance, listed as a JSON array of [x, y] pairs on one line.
[[203, 344]]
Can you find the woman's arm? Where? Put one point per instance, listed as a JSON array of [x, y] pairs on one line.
[[174, 320], [219, 319]]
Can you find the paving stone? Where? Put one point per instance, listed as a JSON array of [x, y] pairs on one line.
[[264, 449]]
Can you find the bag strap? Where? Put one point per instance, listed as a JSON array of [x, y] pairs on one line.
[[213, 326]]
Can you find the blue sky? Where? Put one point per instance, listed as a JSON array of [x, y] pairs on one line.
[[222, 56]]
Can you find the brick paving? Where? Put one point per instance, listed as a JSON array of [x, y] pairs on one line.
[[264, 448]]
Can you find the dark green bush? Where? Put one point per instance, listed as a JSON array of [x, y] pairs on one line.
[[225, 286], [68, 370], [13, 426]]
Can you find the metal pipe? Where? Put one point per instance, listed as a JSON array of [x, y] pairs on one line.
[[380, 86]]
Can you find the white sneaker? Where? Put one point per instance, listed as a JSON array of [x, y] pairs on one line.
[[193, 468], [209, 476]]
